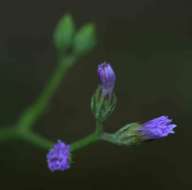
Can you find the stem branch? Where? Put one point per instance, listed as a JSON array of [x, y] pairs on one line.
[[29, 117], [90, 139], [36, 140]]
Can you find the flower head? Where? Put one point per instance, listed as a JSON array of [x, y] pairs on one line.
[[58, 157], [107, 78], [157, 128]]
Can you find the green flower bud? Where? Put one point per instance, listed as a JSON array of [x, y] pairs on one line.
[[127, 135], [64, 33], [85, 39]]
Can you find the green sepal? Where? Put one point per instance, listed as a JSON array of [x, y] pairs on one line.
[[102, 107], [128, 135]]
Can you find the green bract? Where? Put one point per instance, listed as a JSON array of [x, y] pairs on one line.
[[101, 106], [127, 135]]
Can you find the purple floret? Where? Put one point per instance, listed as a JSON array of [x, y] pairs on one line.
[[58, 157], [107, 78], [157, 128]]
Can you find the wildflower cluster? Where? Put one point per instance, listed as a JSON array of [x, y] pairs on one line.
[[102, 105], [71, 43]]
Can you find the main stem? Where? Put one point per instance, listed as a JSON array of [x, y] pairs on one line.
[[31, 115]]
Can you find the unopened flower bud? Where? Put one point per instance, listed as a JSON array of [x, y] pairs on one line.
[[135, 133], [103, 102], [107, 79]]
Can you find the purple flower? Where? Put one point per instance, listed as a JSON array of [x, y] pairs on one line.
[[107, 78], [157, 128], [58, 157]]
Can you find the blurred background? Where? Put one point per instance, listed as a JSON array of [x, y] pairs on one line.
[[149, 43]]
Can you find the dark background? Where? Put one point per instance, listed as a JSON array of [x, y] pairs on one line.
[[149, 44]]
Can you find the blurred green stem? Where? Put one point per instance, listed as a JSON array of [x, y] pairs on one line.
[[8, 133], [23, 129], [29, 117], [39, 141], [36, 139], [70, 45], [14, 133]]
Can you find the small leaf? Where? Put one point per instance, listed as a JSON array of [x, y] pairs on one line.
[[85, 39], [64, 33]]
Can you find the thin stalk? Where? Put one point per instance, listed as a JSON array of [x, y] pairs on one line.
[[8, 133], [29, 117], [36, 140], [90, 139], [108, 137]]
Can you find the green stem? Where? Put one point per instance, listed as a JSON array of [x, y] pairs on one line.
[[99, 127], [36, 140], [39, 141], [90, 139], [108, 137], [16, 134], [8, 133], [31, 115]]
